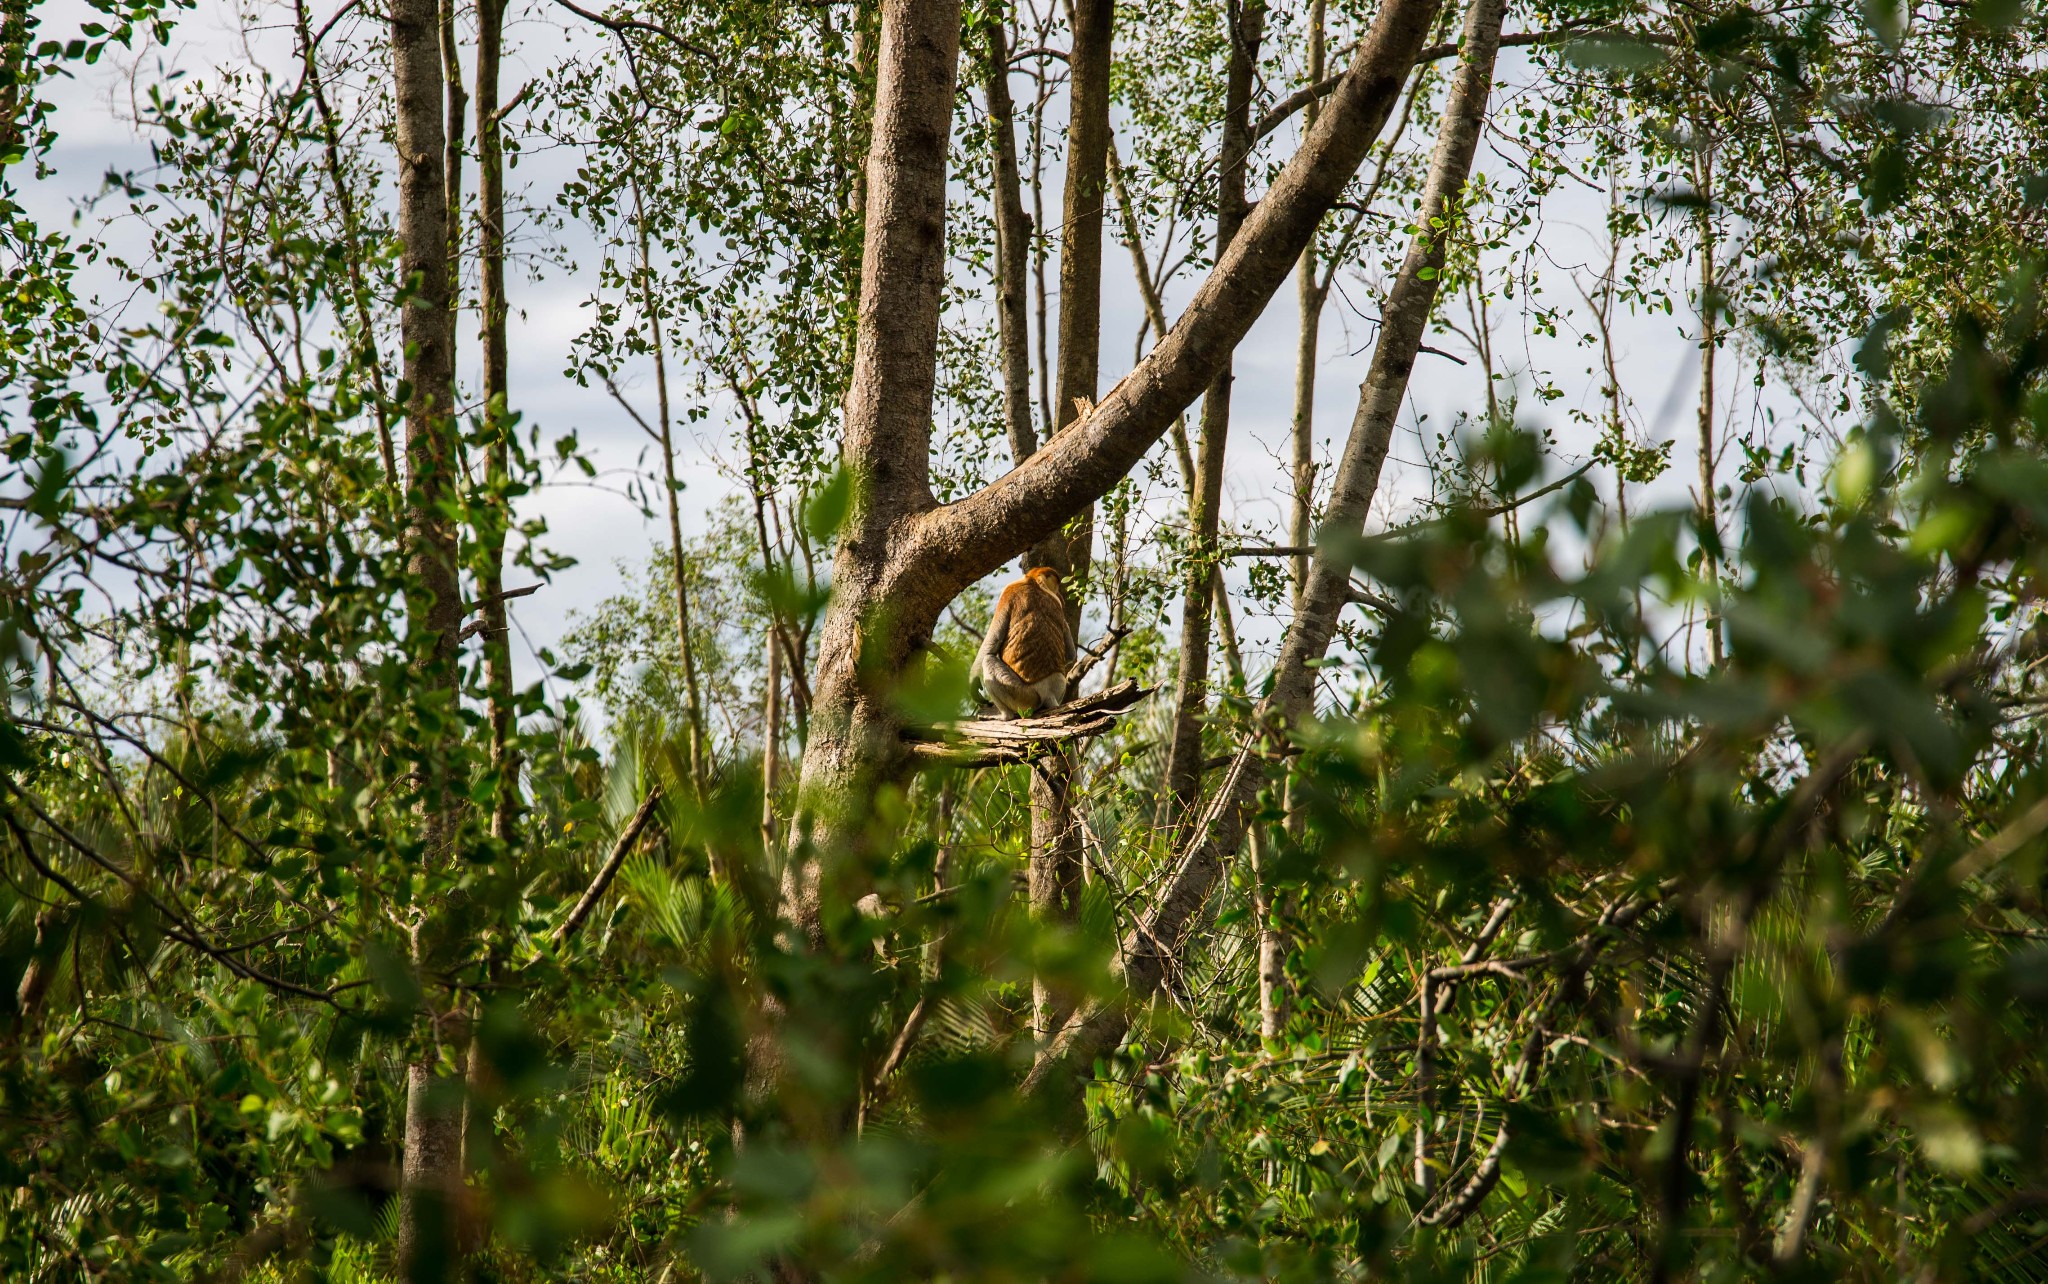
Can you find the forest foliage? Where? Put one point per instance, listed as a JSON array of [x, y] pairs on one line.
[[1654, 889]]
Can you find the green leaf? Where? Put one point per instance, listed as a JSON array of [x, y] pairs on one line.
[[829, 506]]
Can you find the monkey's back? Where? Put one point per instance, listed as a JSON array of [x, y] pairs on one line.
[[1039, 645]]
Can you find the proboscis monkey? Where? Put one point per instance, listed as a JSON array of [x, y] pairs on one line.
[[1024, 659]]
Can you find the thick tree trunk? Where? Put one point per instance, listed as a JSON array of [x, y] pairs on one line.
[[901, 557], [854, 748], [1191, 682], [1154, 944], [430, 1175], [430, 1179]]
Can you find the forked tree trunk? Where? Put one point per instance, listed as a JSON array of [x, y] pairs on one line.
[[1155, 943], [854, 750], [901, 556], [1191, 682], [430, 1179]]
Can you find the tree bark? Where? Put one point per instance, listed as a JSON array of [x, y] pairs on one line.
[[1191, 682], [1153, 945], [490, 196], [1055, 838], [771, 740], [17, 83], [1710, 341], [901, 557], [429, 1177], [495, 521], [853, 747], [1080, 351], [679, 581], [1310, 295], [1013, 235]]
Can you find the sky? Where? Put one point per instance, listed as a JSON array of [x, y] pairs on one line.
[[593, 522]]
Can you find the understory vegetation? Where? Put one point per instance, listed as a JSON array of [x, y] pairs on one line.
[[1608, 844]]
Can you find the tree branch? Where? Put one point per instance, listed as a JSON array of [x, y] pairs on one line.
[[1279, 113], [1093, 655], [956, 544], [609, 870], [620, 26], [1402, 532], [995, 742]]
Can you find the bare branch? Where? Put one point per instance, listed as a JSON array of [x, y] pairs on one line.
[[994, 742], [620, 26], [609, 870], [1279, 113], [1093, 655], [1413, 528]]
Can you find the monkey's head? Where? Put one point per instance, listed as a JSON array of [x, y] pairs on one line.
[[1046, 578]]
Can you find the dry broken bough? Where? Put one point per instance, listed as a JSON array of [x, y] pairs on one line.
[[992, 741]]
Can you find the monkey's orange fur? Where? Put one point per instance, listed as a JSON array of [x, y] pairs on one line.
[[1023, 660]]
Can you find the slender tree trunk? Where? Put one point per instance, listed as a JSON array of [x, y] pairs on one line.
[[501, 711], [490, 195], [771, 741], [1038, 239], [430, 1180], [344, 201], [1191, 683], [1080, 354], [17, 85], [457, 104], [1310, 295], [1013, 251], [1153, 945], [1155, 314], [1055, 838], [1710, 342], [679, 579]]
